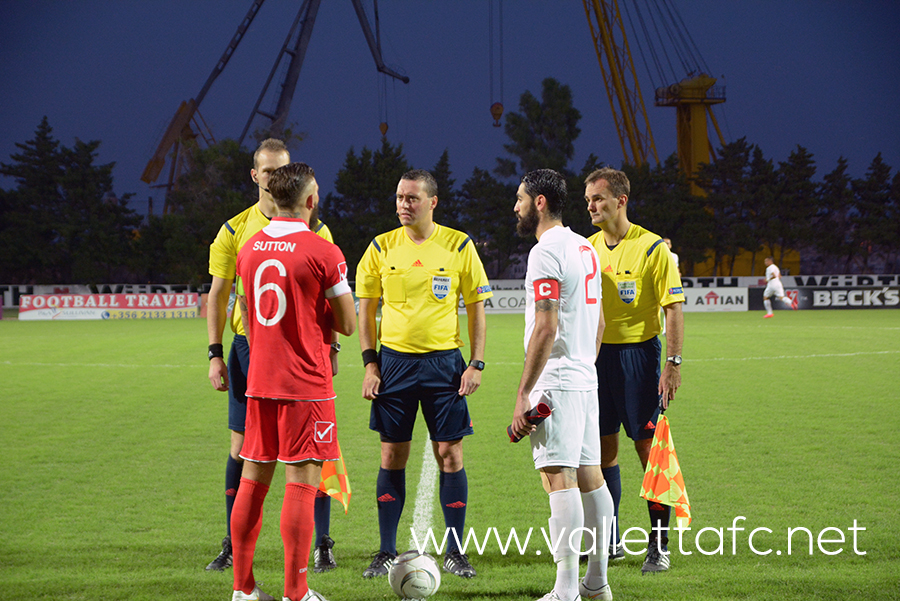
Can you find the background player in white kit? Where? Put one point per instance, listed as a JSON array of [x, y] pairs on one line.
[[775, 288], [563, 328]]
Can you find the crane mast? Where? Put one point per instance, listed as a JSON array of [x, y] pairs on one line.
[[693, 98]]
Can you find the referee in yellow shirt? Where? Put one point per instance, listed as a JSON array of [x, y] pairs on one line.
[[638, 274], [419, 271]]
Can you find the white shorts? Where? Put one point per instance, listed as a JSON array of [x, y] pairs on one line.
[[774, 288], [570, 437]]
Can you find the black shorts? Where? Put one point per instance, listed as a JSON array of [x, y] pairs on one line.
[[238, 365], [628, 389], [430, 378]]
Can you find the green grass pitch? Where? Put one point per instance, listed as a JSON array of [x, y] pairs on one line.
[[115, 445]]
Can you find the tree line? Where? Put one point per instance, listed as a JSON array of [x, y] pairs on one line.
[[62, 223]]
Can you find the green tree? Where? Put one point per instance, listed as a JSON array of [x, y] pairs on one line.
[[794, 203], [62, 223], [661, 201], [730, 199], [364, 204], [491, 222], [28, 235], [832, 221], [872, 230], [100, 233], [543, 133], [216, 187], [449, 210]]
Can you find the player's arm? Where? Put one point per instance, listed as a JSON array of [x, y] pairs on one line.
[[216, 315], [601, 326], [471, 378], [367, 336], [344, 314], [333, 353], [546, 321], [241, 300], [670, 379]]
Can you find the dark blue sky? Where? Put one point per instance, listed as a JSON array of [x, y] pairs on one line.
[[821, 73]]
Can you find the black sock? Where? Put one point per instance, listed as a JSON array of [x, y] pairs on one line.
[[614, 481], [322, 515], [454, 493], [390, 490], [659, 522], [233, 469]]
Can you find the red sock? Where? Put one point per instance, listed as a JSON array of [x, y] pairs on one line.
[[246, 521], [297, 526]]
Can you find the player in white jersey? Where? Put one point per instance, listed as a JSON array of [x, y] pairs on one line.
[[563, 328], [775, 288]]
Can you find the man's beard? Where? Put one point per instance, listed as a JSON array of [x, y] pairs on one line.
[[528, 222], [314, 218]]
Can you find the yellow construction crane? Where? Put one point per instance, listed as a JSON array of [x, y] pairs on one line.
[[620, 80], [692, 97]]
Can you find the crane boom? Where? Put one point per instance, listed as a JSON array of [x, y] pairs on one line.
[[620, 79], [179, 126]]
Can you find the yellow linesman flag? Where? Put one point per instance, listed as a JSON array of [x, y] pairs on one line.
[[663, 482], [335, 482]]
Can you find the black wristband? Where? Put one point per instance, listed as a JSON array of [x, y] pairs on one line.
[[369, 355], [216, 350]]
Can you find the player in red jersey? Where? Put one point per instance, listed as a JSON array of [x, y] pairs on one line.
[[293, 292]]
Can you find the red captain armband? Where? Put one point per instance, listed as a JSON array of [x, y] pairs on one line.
[[546, 289]]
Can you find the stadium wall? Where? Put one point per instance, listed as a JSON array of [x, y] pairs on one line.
[[721, 293]]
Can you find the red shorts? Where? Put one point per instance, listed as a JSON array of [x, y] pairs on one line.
[[290, 431]]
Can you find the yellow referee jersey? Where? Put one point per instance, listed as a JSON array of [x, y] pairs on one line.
[[232, 236], [420, 286], [638, 276]]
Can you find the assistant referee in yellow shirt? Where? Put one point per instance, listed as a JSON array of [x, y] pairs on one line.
[[419, 271], [638, 275]]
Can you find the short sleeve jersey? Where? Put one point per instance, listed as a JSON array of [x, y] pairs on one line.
[[639, 275], [322, 230], [287, 274], [232, 236], [420, 286], [563, 266]]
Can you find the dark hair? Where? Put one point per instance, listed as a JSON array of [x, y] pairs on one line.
[[420, 175], [287, 183], [273, 145], [617, 182], [552, 185]]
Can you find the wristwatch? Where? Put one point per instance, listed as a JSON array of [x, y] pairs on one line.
[[336, 346], [479, 365], [675, 359]]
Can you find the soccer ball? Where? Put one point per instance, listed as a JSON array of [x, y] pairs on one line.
[[414, 575]]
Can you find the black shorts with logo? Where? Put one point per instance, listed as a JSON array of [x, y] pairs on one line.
[[432, 379]]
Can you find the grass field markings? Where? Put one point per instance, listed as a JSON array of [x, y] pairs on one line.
[[116, 365], [813, 356], [421, 523]]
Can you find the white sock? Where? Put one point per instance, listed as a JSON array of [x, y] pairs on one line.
[[599, 513], [566, 516], [768, 305]]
